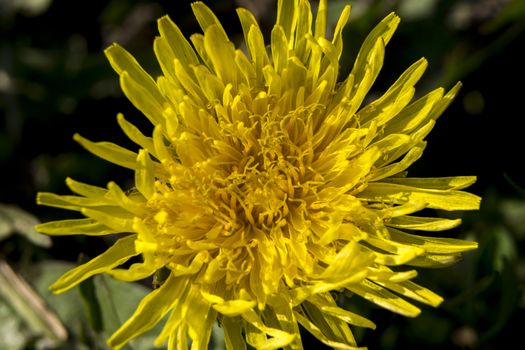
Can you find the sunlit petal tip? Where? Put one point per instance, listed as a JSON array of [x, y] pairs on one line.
[[77, 137], [110, 48]]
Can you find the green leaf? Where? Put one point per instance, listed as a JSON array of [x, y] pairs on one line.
[[65, 305], [6, 227], [513, 216], [13, 333], [217, 338], [29, 306], [118, 300], [505, 248], [91, 304], [509, 301], [13, 219]]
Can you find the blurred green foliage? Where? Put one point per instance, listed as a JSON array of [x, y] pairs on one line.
[[54, 81]]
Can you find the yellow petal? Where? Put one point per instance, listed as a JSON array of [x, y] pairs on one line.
[[194, 267], [109, 151], [254, 336], [144, 175], [163, 153], [332, 327], [403, 209], [435, 199], [302, 293], [255, 42], [279, 338], [135, 272], [87, 227], [279, 48], [414, 115], [435, 260], [222, 54], [316, 332], [206, 17], [190, 85], [348, 317], [384, 171], [251, 78], [282, 308], [135, 205], [85, 189], [287, 19], [370, 59], [338, 31], [233, 337], [319, 94], [123, 61], [327, 305], [303, 29], [423, 223], [232, 308], [397, 96], [150, 311], [165, 57], [270, 344], [247, 20], [113, 217], [321, 19], [383, 273], [135, 135], [273, 81], [434, 245], [357, 169], [345, 263], [436, 183], [179, 338], [117, 254], [389, 147], [382, 297], [199, 318], [198, 43], [210, 85], [411, 290], [175, 326], [400, 253], [440, 107], [142, 98], [180, 47], [69, 202]]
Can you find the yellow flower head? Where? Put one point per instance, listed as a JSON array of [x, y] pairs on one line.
[[266, 185]]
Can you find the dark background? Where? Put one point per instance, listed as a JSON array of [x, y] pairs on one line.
[[55, 81]]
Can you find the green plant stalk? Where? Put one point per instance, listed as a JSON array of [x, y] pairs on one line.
[[29, 305]]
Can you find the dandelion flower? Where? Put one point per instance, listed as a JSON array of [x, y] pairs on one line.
[[267, 185]]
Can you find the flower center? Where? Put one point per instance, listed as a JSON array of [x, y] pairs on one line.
[[252, 189], [269, 173]]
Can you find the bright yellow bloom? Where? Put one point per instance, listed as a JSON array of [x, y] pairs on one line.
[[266, 185]]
